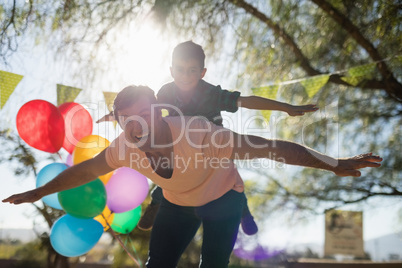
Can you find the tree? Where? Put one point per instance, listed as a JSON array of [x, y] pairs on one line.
[[23, 161], [268, 41]]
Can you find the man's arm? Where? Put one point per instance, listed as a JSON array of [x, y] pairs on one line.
[[259, 103], [250, 147], [70, 178]]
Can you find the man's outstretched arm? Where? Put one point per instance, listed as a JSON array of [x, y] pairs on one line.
[[250, 147], [70, 178]]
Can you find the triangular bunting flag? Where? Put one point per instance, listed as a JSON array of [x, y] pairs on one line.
[[8, 82], [268, 92], [314, 84], [363, 70], [353, 80], [66, 94], [109, 99]]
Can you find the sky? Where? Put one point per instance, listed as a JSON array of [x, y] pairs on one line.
[[146, 62]]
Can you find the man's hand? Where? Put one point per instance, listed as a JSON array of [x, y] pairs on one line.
[[26, 197], [294, 110], [349, 166]]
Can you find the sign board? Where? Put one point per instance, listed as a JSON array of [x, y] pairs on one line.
[[344, 233]]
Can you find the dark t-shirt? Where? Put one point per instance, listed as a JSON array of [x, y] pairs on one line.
[[208, 101]]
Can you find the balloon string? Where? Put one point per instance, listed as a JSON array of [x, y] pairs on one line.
[[132, 246], [59, 156], [120, 242]]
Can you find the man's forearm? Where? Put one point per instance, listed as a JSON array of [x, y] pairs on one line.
[[249, 147], [296, 154], [70, 178]]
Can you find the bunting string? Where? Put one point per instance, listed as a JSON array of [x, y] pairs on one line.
[[353, 76]]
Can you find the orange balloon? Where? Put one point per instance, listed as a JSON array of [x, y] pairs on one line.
[[88, 147], [105, 178], [106, 218]]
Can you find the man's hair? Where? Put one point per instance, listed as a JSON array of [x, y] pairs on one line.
[[130, 95], [189, 50]]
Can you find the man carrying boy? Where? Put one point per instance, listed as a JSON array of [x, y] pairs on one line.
[[201, 191], [190, 95]]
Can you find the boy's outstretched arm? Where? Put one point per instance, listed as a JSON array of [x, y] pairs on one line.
[[70, 178], [251, 147], [260, 103]]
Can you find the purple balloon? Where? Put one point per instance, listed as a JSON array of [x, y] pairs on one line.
[[69, 160], [126, 190]]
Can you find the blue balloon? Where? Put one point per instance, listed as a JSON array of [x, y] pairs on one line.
[[47, 174], [73, 237]]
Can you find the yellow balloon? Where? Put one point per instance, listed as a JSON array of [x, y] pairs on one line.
[[88, 147], [105, 178], [106, 218]]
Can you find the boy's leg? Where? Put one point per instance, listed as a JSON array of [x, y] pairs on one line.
[[247, 220], [147, 220], [173, 230], [220, 219]]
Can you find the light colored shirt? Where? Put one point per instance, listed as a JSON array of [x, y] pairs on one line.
[[200, 175]]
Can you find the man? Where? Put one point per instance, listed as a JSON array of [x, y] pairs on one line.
[[190, 159]]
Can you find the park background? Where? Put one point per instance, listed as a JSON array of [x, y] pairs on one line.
[[293, 51]]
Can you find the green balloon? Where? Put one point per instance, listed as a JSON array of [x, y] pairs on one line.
[[85, 201], [125, 222]]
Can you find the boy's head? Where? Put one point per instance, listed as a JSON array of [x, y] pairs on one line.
[[188, 65], [189, 51]]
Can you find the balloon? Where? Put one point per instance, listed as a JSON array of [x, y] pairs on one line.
[[126, 189], [77, 123], [125, 222], [85, 201], [72, 237], [105, 218], [47, 174], [88, 147], [40, 125], [69, 160], [105, 178]]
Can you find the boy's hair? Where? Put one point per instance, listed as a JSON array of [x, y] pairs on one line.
[[130, 95], [189, 50]]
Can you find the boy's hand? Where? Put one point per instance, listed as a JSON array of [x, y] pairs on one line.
[[26, 197], [294, 110], [349, 166]]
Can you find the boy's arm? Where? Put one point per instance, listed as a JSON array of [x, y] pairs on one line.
[[70, 178], [250, 147], [259, 103]]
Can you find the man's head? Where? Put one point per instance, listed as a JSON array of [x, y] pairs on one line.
[[129, 96], [188, 65], [136, 111]]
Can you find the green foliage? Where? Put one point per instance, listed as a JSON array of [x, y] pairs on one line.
[[30, 255]]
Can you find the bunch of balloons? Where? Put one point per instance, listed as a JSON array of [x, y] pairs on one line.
[[112, 200]]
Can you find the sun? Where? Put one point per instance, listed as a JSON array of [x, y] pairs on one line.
[[144, 56]]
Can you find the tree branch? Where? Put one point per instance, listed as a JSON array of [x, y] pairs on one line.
[[304, 62], [392, 86]]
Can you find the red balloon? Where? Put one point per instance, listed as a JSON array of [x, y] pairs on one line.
[[41, 125], [77, 123]]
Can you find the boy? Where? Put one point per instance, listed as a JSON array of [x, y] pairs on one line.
[[195, 97]]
